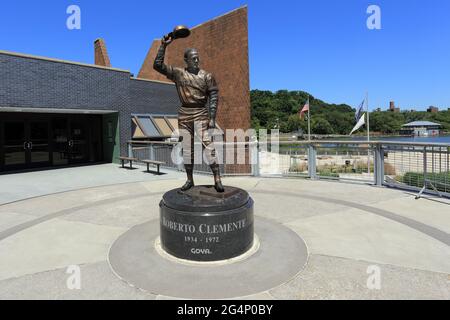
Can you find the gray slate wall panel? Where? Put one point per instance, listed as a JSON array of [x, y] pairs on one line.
[[35, 83]]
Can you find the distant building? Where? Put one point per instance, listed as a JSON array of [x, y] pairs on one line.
[[378, 109], [421, 129], [392, 107], [433, 109]]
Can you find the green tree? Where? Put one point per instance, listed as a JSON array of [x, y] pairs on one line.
[[294, 123], [280, 109], [320, 125]]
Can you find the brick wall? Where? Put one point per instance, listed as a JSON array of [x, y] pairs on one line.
[[100, 53], [223, 49], [153, 97]]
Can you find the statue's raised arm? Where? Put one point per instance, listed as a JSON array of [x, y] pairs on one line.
[[159, 65]]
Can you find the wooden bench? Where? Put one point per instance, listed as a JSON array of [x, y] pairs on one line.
[[123, 159], [149, 162]]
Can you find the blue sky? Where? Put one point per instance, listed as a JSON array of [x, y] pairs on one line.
[[320, 46]]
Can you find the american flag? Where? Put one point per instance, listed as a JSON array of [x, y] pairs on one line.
[[305, 109]]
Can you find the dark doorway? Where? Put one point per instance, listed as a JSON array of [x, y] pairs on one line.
[[15, 143], [79, 140], [25, 142], [60, 140], [43, 140]]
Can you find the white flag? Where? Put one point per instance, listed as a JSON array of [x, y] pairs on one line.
[[360, 123]]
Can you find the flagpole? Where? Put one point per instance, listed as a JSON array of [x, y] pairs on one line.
[[309, 121], [368, 134]]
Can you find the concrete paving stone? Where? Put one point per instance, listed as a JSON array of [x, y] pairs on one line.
[[339, 222], [289, 208], [67, 179], [95, 194], [11, 219], [163, 185], [258, 296], [43, 205], [245, 183], [357, 193], [54, 244], [328, 277], [96, 282], [49, 204], [125, 213], [163, 297], [434, 212], [361, 235]]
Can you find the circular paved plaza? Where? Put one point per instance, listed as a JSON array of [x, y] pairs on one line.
[[360, 242]]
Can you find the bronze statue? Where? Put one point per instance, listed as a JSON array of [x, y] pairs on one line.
[[195, 88]]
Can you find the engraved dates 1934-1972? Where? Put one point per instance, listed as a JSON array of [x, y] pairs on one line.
[[197, 240]]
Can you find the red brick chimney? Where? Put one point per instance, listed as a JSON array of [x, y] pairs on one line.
[[101, 55], [391, 105]]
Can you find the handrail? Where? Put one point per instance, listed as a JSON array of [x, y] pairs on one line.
[[406, 143], [382, 156], [313, 142], [250, 143], [152, 142]]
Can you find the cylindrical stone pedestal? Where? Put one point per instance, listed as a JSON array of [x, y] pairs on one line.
[[203, 225]]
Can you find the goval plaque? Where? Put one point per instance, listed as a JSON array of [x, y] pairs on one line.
[[201, 224]]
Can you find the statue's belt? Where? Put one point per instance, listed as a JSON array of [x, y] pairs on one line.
[[194, 105], [192, 113]]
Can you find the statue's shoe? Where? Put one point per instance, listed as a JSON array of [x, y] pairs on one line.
[[219, 187], [188, 185]]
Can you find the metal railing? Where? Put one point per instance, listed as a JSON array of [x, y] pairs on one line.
[[408, 165], [171, 154], [320, 159], [418, 166]]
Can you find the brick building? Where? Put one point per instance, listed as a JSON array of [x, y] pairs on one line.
[[392, 107], [433, 109], [55, 112], [223, 49]]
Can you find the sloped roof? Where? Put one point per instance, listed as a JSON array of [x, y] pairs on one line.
[[153, 125], [421, 124]]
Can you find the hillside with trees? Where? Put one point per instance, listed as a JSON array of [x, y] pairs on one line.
[[272, 110]]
